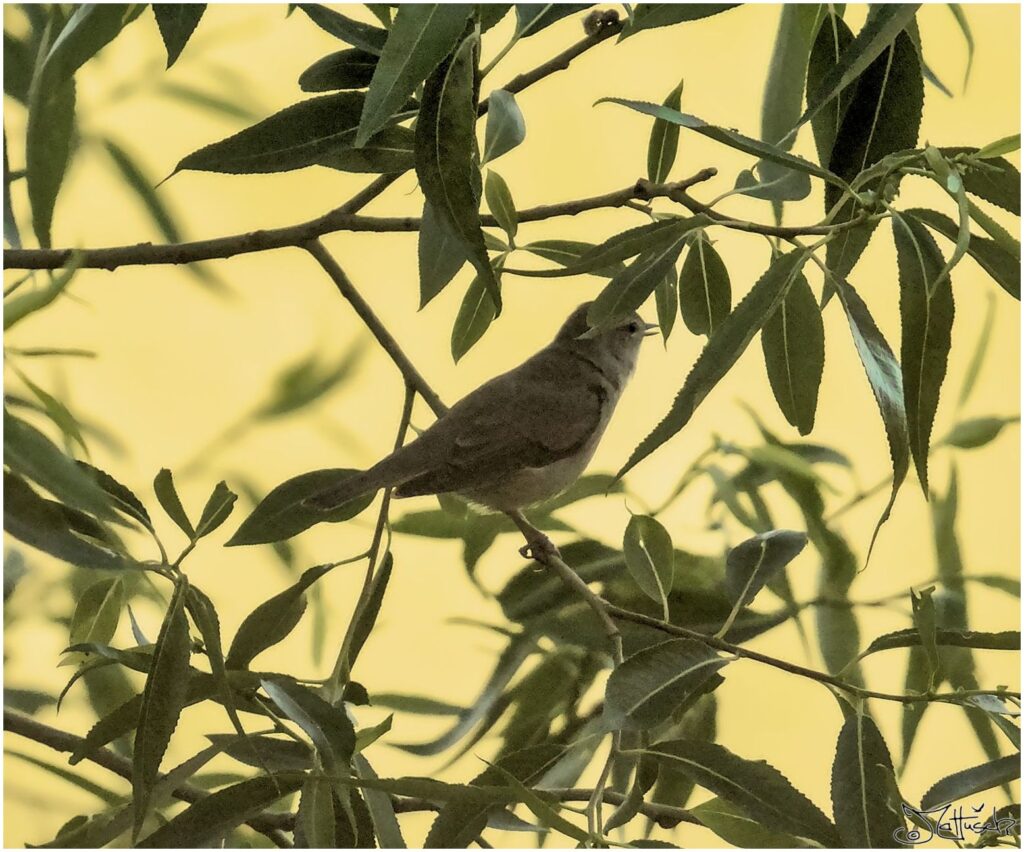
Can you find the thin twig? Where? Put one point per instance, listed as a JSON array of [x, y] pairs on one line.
[[269, 825]]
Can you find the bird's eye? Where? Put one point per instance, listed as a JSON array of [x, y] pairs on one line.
[[633, 328]]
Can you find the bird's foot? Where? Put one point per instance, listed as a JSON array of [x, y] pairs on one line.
[[540, 548]]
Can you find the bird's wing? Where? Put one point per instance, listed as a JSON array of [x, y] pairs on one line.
[[524, 421]]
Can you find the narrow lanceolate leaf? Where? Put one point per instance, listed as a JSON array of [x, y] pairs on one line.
[[502, 207], [506, 127], [98, 612], [723, 350], [315, 816], [568, 253], [647, 548], [652, 684], [284, 512], [162, 701], [733, 825], [89, 29], [883, 116], [977, 431], [142, 186], [343, 69], [440, 253], [216, 510], [1006, 145], [666, 300], [23, 304], [420, 37], [926, 313], [209, 819], [746, 144], [661, 150], [862, 776], [1000, 264], [382, 809], [1005, 640], [51, 119], [168, 497], [628, 290], [793, 342], [886, 380], [876, 35], [977, 779], [446, 161], [11, 234], [177, 22], [272, 620], [830, 45], [356, 33], [755, 786], [366, 616], [326, 725], [753, 563], [705, 294], [476, 313], [787, 71], [648, 16]]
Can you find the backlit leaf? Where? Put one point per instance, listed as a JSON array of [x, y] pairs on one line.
[[661, 150], [344, 69], [217, 509], [356, 33], [705, 294], [326, 725], [177, 22], [753, 563], [967, 782], [647, 548], [168, 497], [500, 203], [787, 70], [51, 119], [830, 45], [476, 313], [506, 127]]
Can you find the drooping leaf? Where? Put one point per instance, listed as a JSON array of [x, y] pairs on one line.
[[356, 33], [705, 294], [506, 127], [787, 70], [51, 119], [89, 29], [446, 160], [830, 45], [177, 22], [666, 300], [652, 684], [476, 313], [967, 782], [11, 235], [862, 775], [420, 37], [500, 203], [21, 305], [272, 620], [753, 563], [381, 808], [366, 616], [326, 725], [344, 69], [723, 349], [531, 18], [965, 28], [664, 143], [756, 787], [284, 513], [162, 701], [647, 548], [793, 342], [168, 497], [315, 816], [647, 16], [440, 252], [143, 188]]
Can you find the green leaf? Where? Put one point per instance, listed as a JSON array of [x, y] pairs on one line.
[[381, 808], [545, 813], [647, 548], [1007, 640], [420, 37], [490, 15], [42, 524], [926, 312], [980, 351], [143, 188], [416, 704], [773, 183], [167, 495], [967, 782], [163, 698], [886, 381], [364, 36], [1006, 145], [272, 620], [102, 793], [830, 45], [1010, 585], [312, 132], [877, 34], [51, 121], [531, 18], [365, 618], [29, 452], [653, 684], [883, 116], [11, 235], [217, 509], [731, 138], [723, 350], [89, 29], [21, 305], [793, 342], [1000, 264], [787, 70], [446, 161], [284, 513], [209, 819], [862, 775], [500, 203], [278, 753], [977, 432], [628, 290], [476, 313], [98, 612], [705, 294], [440, 252], [326, 725], [733, 825], [344, 69], [754, 562], [506, 127], [177, 22], [666, 300], [757, 787], [315, 816], [999, 184], [925, 623], [122, 498], [568, 253], [965, 28], [647, 16], [661, 150]]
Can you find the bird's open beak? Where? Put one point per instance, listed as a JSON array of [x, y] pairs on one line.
[[650, 328]]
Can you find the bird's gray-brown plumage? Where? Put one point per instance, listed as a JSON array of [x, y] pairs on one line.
[[523, 436]]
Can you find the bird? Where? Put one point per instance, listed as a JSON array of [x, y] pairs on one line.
[[520, 438]]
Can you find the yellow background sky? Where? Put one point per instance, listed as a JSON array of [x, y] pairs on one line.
[[176, 366]]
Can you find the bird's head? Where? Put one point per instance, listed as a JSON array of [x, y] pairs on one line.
[[616, 345]]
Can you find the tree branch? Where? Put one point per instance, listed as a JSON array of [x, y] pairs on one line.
[[269, 825]]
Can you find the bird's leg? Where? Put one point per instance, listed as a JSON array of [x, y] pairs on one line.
[[538, 546]]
